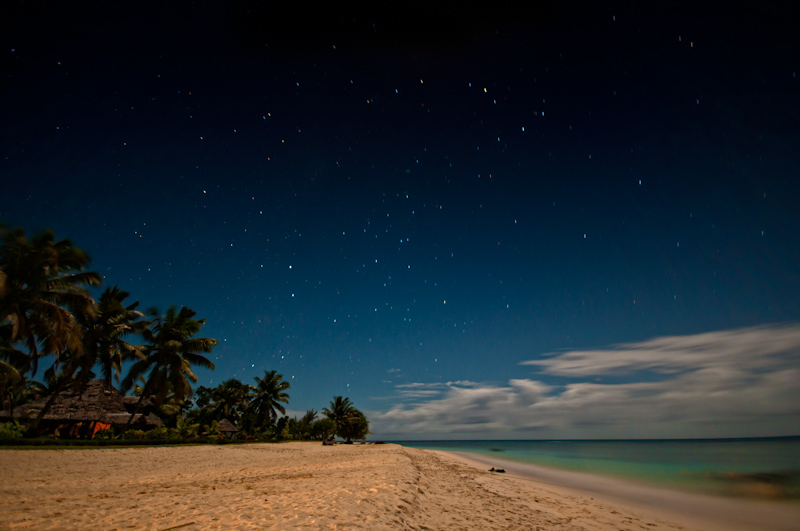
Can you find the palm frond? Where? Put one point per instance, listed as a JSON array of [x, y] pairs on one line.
[[200, 344], [200, 361]]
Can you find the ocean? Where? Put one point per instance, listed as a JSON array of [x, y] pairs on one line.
[[768, 467]]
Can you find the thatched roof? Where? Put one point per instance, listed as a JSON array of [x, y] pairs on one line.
[[226, 426], [98, 402], [131, 401]]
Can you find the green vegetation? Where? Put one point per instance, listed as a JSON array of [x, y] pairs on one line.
[[11, 430], [167, 358], [48, 313], [349, 422]]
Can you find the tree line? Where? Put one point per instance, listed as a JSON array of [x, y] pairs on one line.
[[255, 408], [48, 313]]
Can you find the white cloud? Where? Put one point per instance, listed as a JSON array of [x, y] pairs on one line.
[[746, 348], [719, 384], [421, 390]]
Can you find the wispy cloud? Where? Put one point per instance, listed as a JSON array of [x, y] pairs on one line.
[[729, 383], [422, 390], [745, 349]]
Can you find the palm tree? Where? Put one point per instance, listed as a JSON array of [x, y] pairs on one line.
[[305, 423], [301, 428], [357, 427], [41, 287], [42, 283], [350, 422], [103, 330], [11, 384], [186, 427], [229, 400], [168, 356], [100, 328], [340, 412], [268, 394], [35, 390], [57, 381], [12, 360]]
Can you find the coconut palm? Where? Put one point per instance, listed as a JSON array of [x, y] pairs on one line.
[[13, 362], [17, 390], [100, 328], [42, 283], [11, 385], [268, 394], [305, 423], [301, 428], [357, 427], [169, 353], [103, 331], [340, 412], [41, 288], [186, 427], [229, 400], [34, 390], [350, 422]]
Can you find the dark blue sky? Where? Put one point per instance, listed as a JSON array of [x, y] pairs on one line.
[[399, 204]]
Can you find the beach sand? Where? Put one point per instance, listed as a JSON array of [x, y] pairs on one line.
[[294, 486], [690, 510]]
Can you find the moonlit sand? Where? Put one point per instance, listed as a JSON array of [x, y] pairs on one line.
[[301, 486]]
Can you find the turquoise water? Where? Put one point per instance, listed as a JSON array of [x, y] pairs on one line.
[[751, 467]]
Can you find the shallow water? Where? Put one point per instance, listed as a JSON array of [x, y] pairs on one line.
[[768, 468]]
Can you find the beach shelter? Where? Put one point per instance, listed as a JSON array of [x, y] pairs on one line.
[[227, 428], [80, 414]]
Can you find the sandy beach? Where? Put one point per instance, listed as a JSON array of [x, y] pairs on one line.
[[303, 486]]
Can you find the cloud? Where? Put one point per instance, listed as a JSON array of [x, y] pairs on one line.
[[746, 349], [719, 384], [420, 390]]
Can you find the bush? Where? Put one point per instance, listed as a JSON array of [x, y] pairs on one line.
[[11, 430], [105, 435], [135, 434], [157, 433], [323, 429]]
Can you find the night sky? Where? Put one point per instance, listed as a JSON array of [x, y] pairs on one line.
[[481, 222]]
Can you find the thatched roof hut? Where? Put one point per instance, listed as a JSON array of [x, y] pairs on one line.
[[227, 428], [82, 414]]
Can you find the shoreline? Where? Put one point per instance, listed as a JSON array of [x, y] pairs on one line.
[[301, 485], [694, 509]]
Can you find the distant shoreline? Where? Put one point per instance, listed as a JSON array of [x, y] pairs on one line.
[[710, 512], [703, 439]]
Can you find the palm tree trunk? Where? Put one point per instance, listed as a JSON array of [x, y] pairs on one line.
[[145, 394], [10, 400], [62, 384]]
